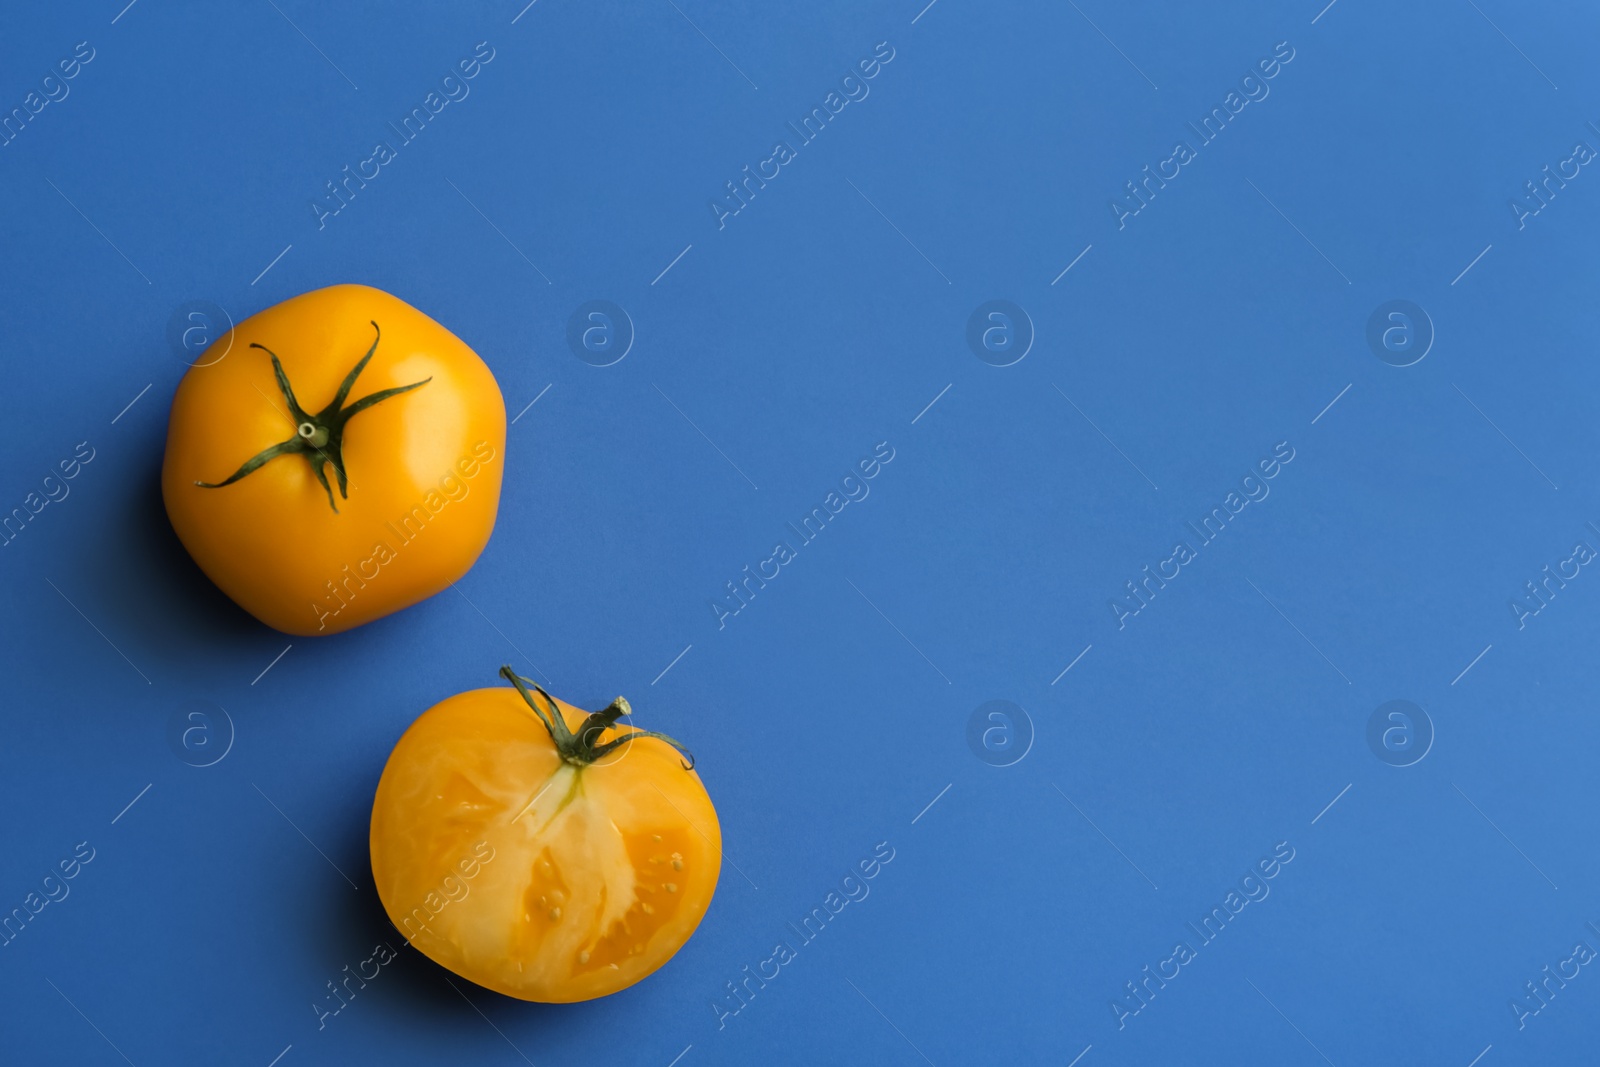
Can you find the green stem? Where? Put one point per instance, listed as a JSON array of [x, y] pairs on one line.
[[587, 744], [320, 436]]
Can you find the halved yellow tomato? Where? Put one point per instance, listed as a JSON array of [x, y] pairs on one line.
[[540, 851], [337, 461]]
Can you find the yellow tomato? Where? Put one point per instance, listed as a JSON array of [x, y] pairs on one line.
[[335, 458], [541, 852]]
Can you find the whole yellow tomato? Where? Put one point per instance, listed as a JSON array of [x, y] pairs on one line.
[[539, 851], [350, 384]]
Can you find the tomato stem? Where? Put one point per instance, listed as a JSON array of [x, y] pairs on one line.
[[585, 745], [318, 437]]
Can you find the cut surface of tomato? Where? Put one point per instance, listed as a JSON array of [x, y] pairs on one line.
[[537, 875]]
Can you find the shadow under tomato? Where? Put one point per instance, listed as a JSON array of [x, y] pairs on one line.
[[150, 582], [412, 983]]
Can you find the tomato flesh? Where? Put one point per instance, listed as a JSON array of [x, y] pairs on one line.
[[594, 877]]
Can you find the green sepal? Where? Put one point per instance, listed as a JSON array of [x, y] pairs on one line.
[[326, 426], [586, 745]]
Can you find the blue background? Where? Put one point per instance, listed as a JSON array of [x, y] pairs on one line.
[[769, 357]]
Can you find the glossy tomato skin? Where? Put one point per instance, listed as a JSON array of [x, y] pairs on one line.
[[424, 467], [530, 876]]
